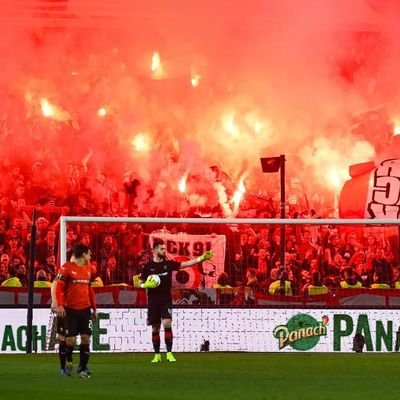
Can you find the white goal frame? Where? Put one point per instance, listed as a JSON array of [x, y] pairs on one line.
[[201, 221]]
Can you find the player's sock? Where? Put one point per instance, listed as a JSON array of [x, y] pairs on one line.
[[84, 353], [69, 350], [168, 339], [62, 354], [155, 337]]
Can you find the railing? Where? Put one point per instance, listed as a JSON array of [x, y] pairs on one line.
[[127, 296]]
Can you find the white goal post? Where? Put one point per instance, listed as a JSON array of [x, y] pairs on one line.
[[225, 221]]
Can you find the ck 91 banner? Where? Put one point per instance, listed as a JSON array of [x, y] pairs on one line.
[[182, 247]]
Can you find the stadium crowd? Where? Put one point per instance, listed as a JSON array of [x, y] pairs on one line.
[[317, 258]]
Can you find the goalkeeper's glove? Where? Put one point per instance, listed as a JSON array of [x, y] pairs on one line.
[[205, 256], [149, 284]]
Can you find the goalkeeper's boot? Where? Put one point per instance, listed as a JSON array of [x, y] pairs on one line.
[[156, 359], [63, 372], [170, 357], [68, 368]]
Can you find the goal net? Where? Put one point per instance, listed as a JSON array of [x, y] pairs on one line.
[[228, 302], [246, 251]]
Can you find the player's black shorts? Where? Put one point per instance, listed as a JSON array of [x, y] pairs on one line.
[[77, 322], [158, 312], [60, 323]]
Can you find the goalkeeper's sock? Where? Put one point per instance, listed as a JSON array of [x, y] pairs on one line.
[[155, 338], [84, 353], [62, 354], [168, 339]]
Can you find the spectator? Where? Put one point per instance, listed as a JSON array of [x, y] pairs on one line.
[[251, 278], [5, 262], [112, 274], [14, 248], [262, 261], [349, 248], [14, 264], [238, 270], [47, 246], [350, 280], [307, 249], [17, 276], [316, 287], [225, 293], [305, 279], [41, 280], [20, 273], [27, 244], [363, 275], [12, 281], [108, 249], [334, 269], [382, 266], [332, 248], [291, 259], [294, 282], [379, 282], [370, 247], [396, 278], [314, 265], [281, 286], [4, 275], [222, 282], [134, 240], [70, 241], [50, 267], [42, 225]]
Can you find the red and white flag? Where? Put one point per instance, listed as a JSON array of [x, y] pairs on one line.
[[373, 192]]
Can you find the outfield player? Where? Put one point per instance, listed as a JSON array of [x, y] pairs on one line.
[[60, 326], [160, 297], [74, 299]]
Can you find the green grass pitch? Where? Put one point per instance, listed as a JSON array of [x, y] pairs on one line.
[[206, 376]]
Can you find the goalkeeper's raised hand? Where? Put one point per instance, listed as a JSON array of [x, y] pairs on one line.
[[149, 284], [205, 256]]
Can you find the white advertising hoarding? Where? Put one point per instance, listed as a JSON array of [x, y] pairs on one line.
[[254, 330]]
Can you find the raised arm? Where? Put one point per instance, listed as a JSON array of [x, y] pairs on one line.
[[205, 256]]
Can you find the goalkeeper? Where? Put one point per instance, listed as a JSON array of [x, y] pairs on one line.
[[159, 297]]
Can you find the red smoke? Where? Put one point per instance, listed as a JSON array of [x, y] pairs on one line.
[[314, 80]]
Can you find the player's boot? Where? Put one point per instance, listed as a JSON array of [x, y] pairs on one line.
[[156, 359], [63, 372], [170, 357], [80, 369], [84, 375], [68, 368]]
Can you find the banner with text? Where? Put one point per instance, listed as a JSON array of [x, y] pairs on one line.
[[373, 190], [254, 330], [182, 247]]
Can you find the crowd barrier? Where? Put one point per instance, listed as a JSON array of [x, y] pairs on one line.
[[127, 296]]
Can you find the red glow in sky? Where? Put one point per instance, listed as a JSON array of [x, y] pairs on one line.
[[155, 92]]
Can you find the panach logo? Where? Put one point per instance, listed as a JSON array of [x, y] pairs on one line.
[[302, 332]]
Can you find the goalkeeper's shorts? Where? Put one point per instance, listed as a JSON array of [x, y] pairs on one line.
[[157, 312]]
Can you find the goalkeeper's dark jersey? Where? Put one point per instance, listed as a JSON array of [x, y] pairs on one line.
[[163, 269]]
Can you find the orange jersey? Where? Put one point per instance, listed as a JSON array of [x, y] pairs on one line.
[[74, 284]]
